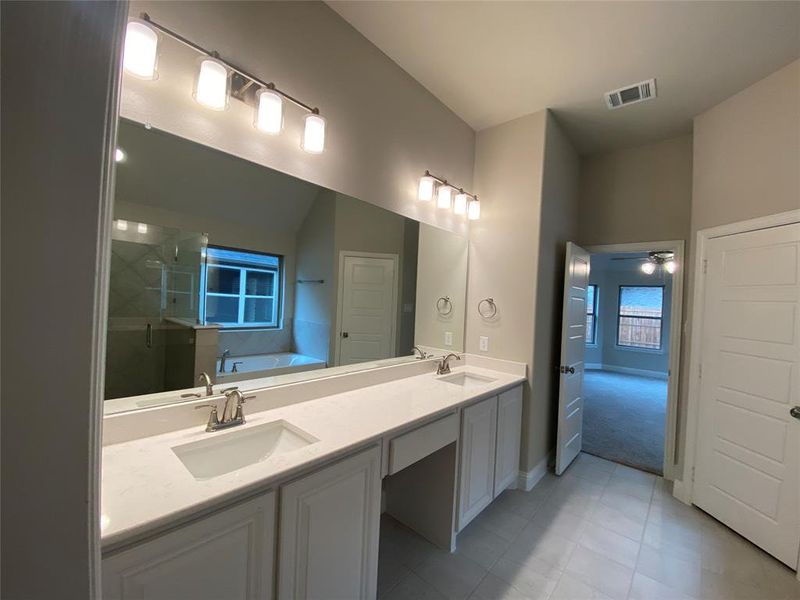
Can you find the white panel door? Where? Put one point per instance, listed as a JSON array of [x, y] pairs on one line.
[[509, 432], [573, 347], [228, 554], [748, 445], [476, 472], [329, 527], [368, 311]]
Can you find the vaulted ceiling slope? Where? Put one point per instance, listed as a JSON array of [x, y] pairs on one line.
[[491, 62]]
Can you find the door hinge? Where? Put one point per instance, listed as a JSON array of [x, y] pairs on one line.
[[705, 266]]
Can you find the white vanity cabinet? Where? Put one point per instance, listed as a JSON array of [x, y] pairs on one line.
[[509, 433], [329, 528], [489, 457], [228, 554]]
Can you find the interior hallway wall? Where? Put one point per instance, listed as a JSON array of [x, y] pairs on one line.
[[526, 173], [384, 128], [746, 157], [640, 194], [60, 63]]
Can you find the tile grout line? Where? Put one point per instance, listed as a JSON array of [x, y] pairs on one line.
[[641, 542]]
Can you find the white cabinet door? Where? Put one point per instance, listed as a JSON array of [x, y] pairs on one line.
[[509, 431], [476, 473], [229, 554], [329, 529]]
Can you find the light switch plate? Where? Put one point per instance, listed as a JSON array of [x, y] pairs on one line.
[[448, 338], [484, 343]]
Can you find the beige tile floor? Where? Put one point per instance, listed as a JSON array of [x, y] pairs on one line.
[[602, 531]]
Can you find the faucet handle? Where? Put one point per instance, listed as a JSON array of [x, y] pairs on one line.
[[213, 418]]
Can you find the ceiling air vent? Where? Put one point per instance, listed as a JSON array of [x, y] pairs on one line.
[[631, 94]]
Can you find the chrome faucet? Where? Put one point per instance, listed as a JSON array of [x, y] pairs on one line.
[[229, 417], [225, 354], [444, 364], [422, 353], [206, 381]]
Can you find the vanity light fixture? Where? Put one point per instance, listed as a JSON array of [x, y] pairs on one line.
[[141, 228], [444, 196], [212, 84], [269, 111], [141, 50], [474, 211], [460, 204], [218, 80], [464, 203], [426, 186], [122, 225], [314, 134]]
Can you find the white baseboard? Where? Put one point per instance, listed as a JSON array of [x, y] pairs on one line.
[[592, 366], [680, 492], [526, 481], [632, 371]]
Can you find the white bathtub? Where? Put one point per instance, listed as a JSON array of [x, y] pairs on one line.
[[266, 365]]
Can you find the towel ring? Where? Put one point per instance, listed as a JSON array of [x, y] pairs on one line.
[[491, 312], [444, 306]]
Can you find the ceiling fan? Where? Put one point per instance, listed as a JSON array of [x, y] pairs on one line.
[[663, 259]]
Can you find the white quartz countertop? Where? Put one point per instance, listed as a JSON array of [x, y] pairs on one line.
[[145, 487]]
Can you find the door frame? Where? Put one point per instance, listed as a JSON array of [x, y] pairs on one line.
[[340, 295], [684, 488], [670, 465]]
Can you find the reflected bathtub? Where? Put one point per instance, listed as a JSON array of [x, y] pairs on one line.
[[266, 365]]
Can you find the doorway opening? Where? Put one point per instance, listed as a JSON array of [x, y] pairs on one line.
[[619, 359], [626, 369]]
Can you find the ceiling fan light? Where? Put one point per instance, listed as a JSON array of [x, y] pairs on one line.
[[671, 266], [648, 268]]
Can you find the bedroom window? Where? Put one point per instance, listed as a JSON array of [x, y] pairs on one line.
[[591, 314], [639, 317], [241, 289]]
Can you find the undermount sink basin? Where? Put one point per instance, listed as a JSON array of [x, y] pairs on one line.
[[467, 380], [216, 456]]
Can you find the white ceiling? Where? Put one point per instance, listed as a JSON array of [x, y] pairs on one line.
[[491, 62]]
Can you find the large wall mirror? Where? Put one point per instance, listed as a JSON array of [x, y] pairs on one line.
[[226, 267]]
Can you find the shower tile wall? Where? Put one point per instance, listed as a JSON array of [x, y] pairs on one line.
[[244, 342]]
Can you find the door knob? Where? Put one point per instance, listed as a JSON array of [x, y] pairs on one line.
[[570, 370], [795, 412]]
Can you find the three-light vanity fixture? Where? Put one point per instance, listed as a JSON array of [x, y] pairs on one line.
[[217, 80], [448, 197]]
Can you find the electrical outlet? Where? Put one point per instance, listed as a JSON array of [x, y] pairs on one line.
[[484, 343], [448, 338]]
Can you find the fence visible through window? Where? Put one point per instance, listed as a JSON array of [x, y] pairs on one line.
[[640, 316]]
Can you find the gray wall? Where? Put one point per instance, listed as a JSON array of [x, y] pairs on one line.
[[746, 157], [609, 276], [526, 173], [59, 65], [640, 194]]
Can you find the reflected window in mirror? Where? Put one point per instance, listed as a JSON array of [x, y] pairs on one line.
[[241, 288]]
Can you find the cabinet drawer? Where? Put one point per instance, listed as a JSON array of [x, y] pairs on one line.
[[415, 445]]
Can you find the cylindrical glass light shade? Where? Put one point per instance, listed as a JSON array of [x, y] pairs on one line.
[[314, 134], [460, 205], [141, 50], [122, 225], [671, 266], [211, 87], [426, 186], [444, 197], [269, 112], [141, 228], [648, 268], [119, 155], [474, 210]]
